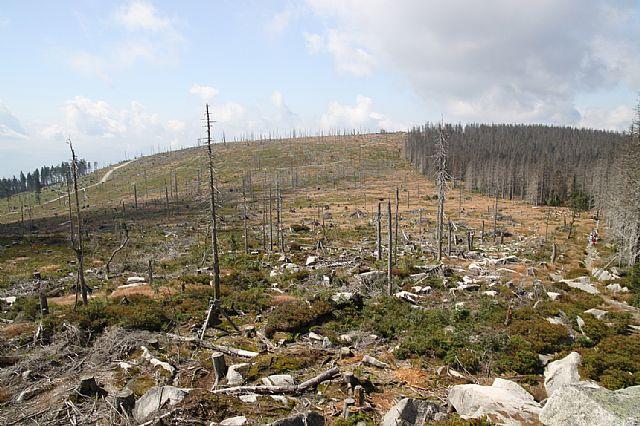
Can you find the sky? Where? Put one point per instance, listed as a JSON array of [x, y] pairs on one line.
[[131, 77]]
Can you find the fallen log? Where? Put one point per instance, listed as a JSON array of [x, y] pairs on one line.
[[227, 350], [289, 389]]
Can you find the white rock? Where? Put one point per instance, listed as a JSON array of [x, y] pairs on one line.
[[136, 280], [10, 300], [598, 313], [345, 297], [274, 273], [504, 402], [459, 305], [315, 336], [555, 320], [234, 421], [562, 372], [278, 380], [490, 293], [234, 377], [409, 297], [616, 288], [421, 290], [372, 277], [249, 398], [409, 411], [311, 260], [369, 360], [156, 398], [553, 295], [580, 323], [583, 284], [280, 398], [584, 404]]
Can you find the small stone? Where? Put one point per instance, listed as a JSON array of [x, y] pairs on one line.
[[369, 360], [598, 313], [279, 380], [345, 352], [234, 421]]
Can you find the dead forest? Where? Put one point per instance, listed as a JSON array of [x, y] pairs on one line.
[[450, 275]]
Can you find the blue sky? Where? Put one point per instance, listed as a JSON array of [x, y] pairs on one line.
[[127, 77]]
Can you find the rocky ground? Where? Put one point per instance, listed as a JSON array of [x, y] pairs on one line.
[[496, 332]]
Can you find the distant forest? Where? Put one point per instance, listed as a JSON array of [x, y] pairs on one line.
[[42, 177], [537, 163], [545, 165]]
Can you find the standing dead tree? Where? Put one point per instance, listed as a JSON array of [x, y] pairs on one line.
[[390, 254], [78, 244], [441, 183], [379, 236], [214, 305], [125, 240]]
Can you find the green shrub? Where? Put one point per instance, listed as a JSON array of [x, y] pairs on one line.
[[28, 307], [614, 362], [297, 317], [544, 337]]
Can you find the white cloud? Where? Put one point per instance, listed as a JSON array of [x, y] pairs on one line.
[[52, 132], [228, 112], [496, 60], [141, 15], [348, 56], [175, 125], [10, 126], [619, 118], [358, 116], [206, 93]]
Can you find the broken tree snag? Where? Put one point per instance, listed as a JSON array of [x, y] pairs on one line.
[[219, 367], [244, 216], [120, 247], [470, 240], [135, 196], [553, 253], [397, 215], [287, 389], [379, 239], [449, 240], [390, 254], [79, 249], [42, 294], [150, 273], [214, 219]]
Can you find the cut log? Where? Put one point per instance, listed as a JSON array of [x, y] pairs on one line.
[[227, 350], [289, 389]]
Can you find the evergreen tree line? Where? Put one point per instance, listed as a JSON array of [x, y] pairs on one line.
[[537, 163], [42, 177]]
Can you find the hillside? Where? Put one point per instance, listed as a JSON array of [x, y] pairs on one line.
[[500, 305]]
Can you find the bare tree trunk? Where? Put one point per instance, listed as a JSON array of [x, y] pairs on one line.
[[397, 216], [150, 269], [390, 254], [214, 218], [495, 218], [244, 218], [270, 220], [379, 239], [135, 195], [441, 180], [80, 247], [553, 253]]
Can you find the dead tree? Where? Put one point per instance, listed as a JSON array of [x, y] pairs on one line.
[[495, 218], [395, 242], [244, 216], [390, 254], [79, 247], [441, 182], [125, 240], [379, 239], [214, 218]]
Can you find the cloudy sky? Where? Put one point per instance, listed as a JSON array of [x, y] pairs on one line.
[[128, 77]]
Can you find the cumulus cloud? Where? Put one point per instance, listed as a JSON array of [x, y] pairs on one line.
[[514, 60], [358, 116], [348, 56], [228, 112], [206, 93], [10, 126]]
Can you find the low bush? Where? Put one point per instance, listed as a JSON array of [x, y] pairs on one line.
[[614, 362], [297, 316]]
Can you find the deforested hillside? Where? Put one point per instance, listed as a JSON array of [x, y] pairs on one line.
[[538, 163], [332, 305]]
